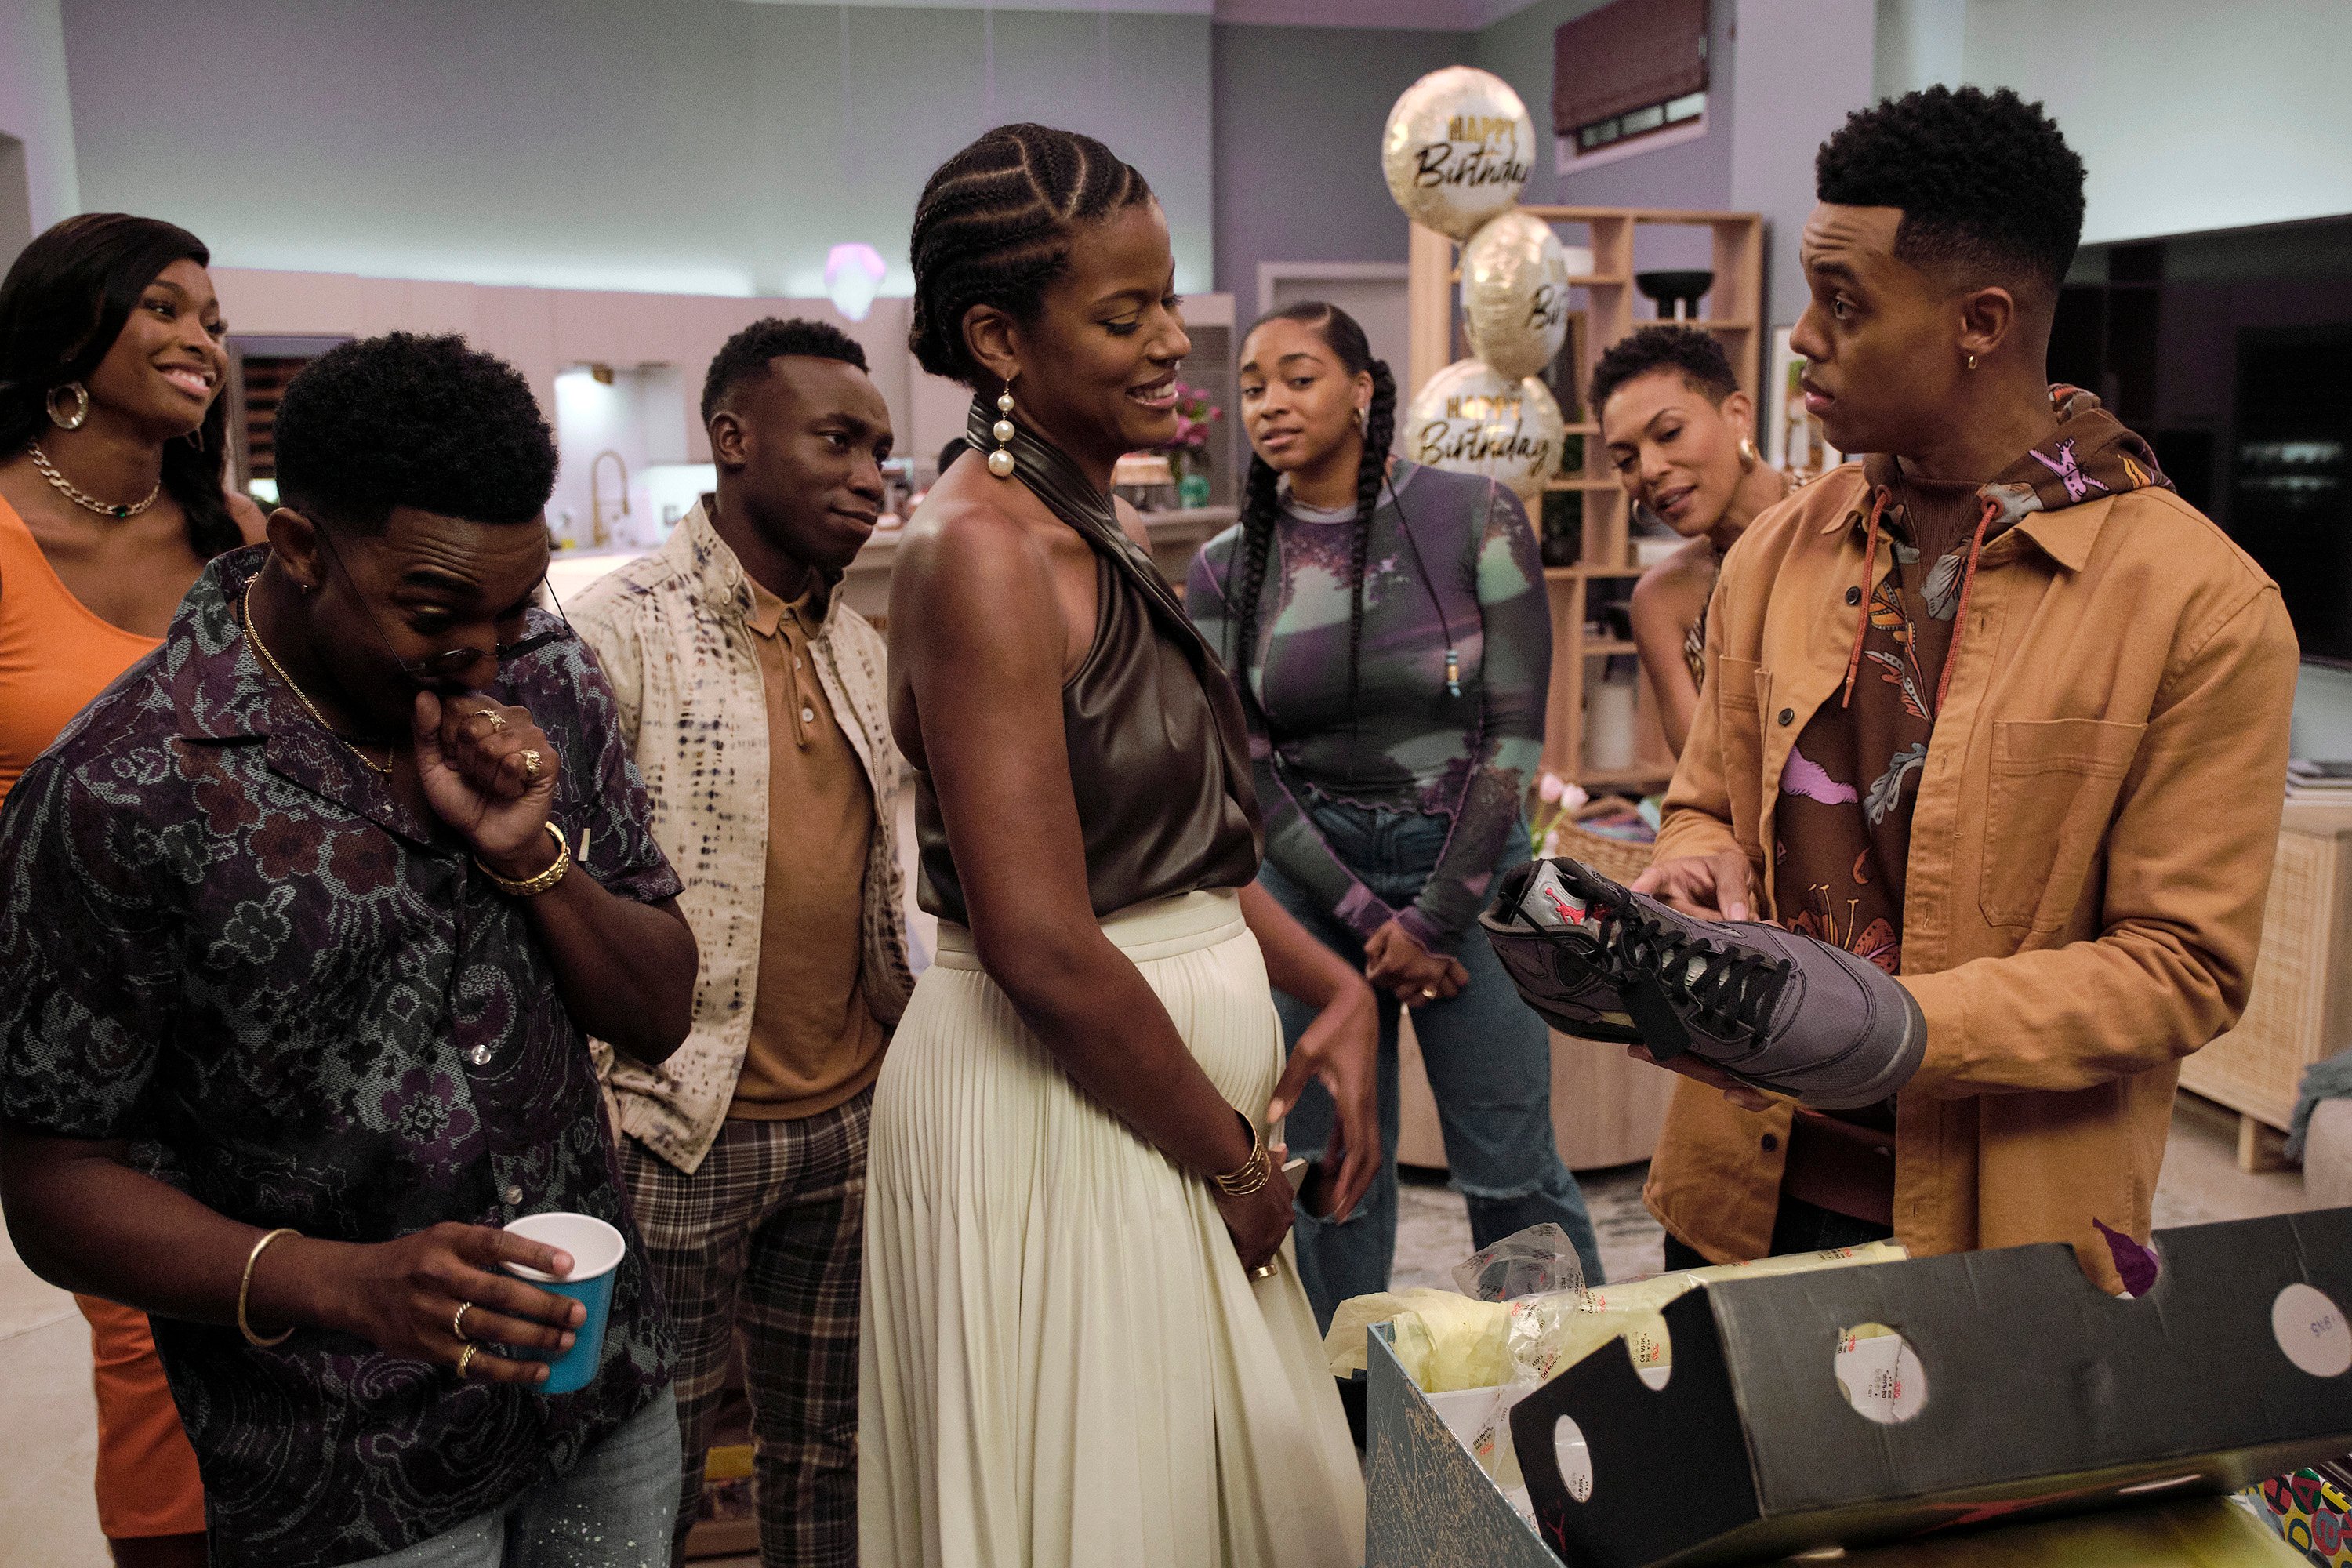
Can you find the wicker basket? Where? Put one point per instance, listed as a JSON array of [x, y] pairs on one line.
[[1612, 857]]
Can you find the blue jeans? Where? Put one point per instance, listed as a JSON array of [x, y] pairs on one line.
[[613, 1511], [1488, 1058]]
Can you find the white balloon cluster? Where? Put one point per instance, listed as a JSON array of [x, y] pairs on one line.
[[1457, 151]]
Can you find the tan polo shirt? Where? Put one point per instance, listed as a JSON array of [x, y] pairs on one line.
[[814, 1042]]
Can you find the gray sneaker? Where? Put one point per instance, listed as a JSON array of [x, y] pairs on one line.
[[1773, 1008]]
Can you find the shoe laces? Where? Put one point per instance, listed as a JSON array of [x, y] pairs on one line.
[[1729, 991]]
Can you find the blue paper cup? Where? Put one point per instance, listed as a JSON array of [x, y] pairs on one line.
[[597, 1249]]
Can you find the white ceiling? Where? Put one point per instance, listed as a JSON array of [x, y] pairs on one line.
[[1437, 16]]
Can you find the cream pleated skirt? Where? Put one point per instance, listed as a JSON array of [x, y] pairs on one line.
[[1063, 1362]]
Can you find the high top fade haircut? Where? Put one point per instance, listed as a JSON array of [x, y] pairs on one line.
[[744, 357], [1690, 352], [993, 228], [421, 422], [1988, 186]]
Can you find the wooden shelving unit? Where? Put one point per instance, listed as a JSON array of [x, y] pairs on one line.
[[1607, 299]]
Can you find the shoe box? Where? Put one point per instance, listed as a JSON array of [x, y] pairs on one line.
[[1905, 1402]]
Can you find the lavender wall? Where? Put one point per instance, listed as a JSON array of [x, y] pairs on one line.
[[37, 184], [704, 146], [1297, 119], [1800, 67]]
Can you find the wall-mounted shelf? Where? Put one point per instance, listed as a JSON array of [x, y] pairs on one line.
[[1607, 300]]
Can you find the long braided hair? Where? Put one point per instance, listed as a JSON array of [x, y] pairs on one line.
[[62, 306], [993, 228], [1344, 337]]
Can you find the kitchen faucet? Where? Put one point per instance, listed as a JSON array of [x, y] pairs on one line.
[[599, 536]]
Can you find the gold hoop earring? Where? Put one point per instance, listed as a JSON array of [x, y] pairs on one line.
[[1972, 362], [1363, 421], [81, 405], [1000, 462], [1749, 456]]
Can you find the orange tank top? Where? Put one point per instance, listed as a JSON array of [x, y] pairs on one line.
[[55, 654]]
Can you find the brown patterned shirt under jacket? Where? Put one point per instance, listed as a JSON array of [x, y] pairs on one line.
[[1843, 832]]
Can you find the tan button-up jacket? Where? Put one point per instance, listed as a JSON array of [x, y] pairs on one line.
[[671, 632], [2089, 855]]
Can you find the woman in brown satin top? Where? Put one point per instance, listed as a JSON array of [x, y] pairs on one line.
[[1084, 1338]]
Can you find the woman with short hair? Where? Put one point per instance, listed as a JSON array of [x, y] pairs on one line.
[[1680, 435]]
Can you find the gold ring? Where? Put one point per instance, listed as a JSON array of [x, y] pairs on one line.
[[466, 1359], [457, 1321], [529, 755], [1262, 1271], [498, 720], [1428, 992]]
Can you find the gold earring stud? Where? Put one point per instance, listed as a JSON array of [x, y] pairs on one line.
[[1000, 462], [1972, 362]]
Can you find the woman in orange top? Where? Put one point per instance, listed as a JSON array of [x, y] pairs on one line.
[[110, 369]]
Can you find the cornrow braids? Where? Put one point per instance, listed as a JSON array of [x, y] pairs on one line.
[[1260, 502], [1380, 427], [993, 228]]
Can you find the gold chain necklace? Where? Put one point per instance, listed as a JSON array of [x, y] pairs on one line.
[[253, 635], [83, 498]]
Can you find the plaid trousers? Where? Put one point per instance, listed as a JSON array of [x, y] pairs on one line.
[[765, 1240]]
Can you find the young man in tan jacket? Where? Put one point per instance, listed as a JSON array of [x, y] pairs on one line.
[[752, 701], [1992, 708]]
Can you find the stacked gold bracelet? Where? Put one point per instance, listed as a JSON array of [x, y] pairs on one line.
[[1252, 1173], [531, 886]]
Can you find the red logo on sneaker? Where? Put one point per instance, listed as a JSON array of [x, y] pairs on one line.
[[1572, 913]]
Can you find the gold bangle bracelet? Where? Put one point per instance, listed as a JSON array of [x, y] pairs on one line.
[[531, 886], [1253, 1174], [245, 1288]]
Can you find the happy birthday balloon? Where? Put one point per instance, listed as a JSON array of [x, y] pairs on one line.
[[1473, 420], [1457, 149], [1514, 277]]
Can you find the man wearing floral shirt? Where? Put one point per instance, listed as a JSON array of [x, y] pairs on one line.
[[304, 919]]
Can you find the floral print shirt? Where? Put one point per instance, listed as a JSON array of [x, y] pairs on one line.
[[223, 938], [1842, 828]]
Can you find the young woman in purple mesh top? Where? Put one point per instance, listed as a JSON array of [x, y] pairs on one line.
[[1388, 626]]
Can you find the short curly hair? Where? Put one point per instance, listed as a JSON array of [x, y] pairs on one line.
[[993, 228], [1691, 352], [1987, 183], [405, 420], [745, 356]]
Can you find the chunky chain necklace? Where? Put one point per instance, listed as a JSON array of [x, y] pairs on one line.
[[253, 635], [82, 498]]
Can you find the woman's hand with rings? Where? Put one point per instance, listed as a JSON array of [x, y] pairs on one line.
[[1400, 965], [1258, 1222]]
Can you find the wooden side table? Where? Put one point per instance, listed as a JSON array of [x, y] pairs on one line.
[[2301, 1007]]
